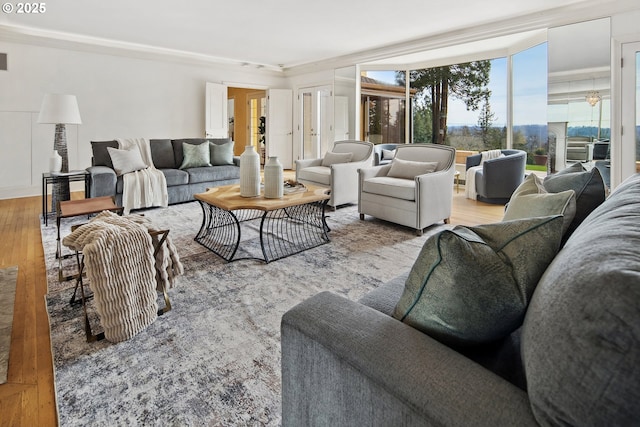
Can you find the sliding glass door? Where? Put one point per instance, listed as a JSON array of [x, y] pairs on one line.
[[630, 144]]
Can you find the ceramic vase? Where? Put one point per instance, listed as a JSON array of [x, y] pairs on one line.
[[55, 162], [273, 179], [249, 172]]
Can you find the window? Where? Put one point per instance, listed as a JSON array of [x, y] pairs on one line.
[[463, 105], [529, 71], [383, 101]]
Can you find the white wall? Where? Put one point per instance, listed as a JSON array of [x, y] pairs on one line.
[[118, 97]]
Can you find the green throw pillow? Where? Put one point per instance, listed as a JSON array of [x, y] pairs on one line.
[[531, 199], [472, 285], [195, 156], [221, 154], [588, 185]]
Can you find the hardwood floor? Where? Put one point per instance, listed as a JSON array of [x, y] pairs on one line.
[[28, 398]]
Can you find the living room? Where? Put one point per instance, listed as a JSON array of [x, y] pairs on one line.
[[135, 90]]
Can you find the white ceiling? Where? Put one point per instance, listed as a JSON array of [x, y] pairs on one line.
[[281, 34]]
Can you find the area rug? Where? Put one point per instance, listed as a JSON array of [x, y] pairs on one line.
[[8, 279], [214, 359]]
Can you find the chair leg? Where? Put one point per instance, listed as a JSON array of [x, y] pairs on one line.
[[361, 217]]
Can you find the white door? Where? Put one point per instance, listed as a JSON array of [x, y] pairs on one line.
[[316, 114], [216, 122], [280, 126], [630, 143]]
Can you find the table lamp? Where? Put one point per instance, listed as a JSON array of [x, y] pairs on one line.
[[60, 110]]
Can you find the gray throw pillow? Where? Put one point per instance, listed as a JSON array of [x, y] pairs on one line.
[[531, 199], [472, 285], [588, 186], [126, 161], [409, 169], [331, 158], [195, 156], [101, 156], [221, 154]]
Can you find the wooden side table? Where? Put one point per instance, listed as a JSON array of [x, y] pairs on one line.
[[71, 208]]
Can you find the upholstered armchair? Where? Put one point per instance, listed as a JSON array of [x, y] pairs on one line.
[[579, 149], [414, 190], [338, 170], [383, 154], [498, 178]]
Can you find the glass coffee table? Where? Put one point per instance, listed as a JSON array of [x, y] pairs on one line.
[[289, 225]]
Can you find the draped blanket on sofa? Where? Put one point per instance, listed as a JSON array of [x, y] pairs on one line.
[[145, 187]]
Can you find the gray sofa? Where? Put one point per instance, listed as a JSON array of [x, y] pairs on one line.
[[167, 157], [574, 361]]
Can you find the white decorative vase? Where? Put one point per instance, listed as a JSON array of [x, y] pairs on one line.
[[249, 172], [273, 180], [55, 162]]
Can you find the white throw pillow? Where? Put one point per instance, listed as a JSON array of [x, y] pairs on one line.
[[331, 158], [125, 161], [408, 169], [388, 154]]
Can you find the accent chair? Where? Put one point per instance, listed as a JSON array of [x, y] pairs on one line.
[[337, 170], [414, 190], [382, 153], [498, 178]]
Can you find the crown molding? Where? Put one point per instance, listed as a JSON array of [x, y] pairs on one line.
[[61, 40]]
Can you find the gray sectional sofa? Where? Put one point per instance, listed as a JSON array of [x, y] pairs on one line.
[[167, 156], [574, 361]]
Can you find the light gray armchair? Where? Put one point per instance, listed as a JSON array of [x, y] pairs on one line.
[[416, 201], [337, 170]]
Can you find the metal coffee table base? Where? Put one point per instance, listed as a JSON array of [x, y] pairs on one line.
[[283, 232]]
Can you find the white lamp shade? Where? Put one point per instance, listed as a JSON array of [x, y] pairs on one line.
[[59, 109]]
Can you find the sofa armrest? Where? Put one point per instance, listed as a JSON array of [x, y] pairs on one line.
[[437, 187], [236, 160], [344, 363], [103, 181], [344, 182]]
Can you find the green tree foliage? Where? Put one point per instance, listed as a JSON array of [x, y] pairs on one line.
[[421, 123], [485, 120], [467, 82]]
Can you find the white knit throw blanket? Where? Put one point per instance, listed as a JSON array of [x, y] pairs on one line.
[[118, 256], [146, 187], [167, 262], [470, 178]]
